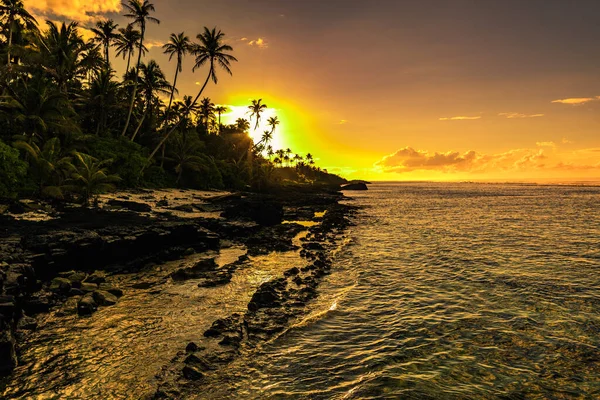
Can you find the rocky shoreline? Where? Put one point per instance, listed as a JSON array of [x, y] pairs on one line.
[[63, 261]]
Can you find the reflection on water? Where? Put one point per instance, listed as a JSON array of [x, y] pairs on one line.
[[447, 291], [117, 351]]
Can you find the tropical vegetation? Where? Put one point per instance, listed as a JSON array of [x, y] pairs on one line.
[[71, 127]]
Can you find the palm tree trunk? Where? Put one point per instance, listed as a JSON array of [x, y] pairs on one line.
[[137, 71], [141, 122], [106, 47], [181, 118], [172, 94], [10, 33], [128, 60]]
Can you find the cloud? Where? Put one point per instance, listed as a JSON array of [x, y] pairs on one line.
[[153, 43], [511, 115], [575, 101], [260, 43], [81, 11], [409, 160], [343, 121], [460, 118], [566, 141], [545, 144]]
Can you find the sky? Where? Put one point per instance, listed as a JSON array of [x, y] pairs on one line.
[[480, 90]]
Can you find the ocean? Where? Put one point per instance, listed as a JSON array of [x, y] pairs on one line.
[[447, 291]]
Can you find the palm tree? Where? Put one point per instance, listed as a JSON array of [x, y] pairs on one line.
[[184, 155], [91, 177], [206, 110], [91, 60], [220, 110], [49, 165], [297, 159], [213, 51], [309, 159], [179, 45], [59, 51], [127, 41], [11, 11], [105, 35], [102, 97], [152, 81], [242, 124], [255, 109], [273, 122], [140, 13]]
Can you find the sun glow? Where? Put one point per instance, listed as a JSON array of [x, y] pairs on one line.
[[236, 112]]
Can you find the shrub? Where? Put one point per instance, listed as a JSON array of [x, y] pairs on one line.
[[128, 158], [12, 170]]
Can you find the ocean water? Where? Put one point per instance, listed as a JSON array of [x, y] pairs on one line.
[[439, 291], [446, 291]]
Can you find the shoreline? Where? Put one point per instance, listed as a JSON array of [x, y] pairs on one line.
[[67, 260]]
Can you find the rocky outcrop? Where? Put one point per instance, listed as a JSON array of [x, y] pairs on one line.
[[263, 211], [355, 186]]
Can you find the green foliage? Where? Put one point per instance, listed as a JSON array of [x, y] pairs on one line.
[[157, 178], [128, 158], [90, 177], [12, 171]]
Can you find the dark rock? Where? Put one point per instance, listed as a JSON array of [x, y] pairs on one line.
[[8, 355], [191, 347], [291, 272], [104, 298], [130, 205], [36, 304], [96, 277], [162, 203], [60, 285], [110, 289], [88, 287], [27, 323], [198, 362], [229, 324], [76, 292], [313, 246], [199, 270], [192, 373], [297, 280], [87, 305], [76, 278], [263, 211], [355, 186], [184, 207]]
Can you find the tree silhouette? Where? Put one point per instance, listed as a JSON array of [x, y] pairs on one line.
[[255, 109]]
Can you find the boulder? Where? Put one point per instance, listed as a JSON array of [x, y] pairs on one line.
[[110, 289], [60, 285], [88, 287], [199, 270], [87, 305], [104, 298], [96, 277], [192, 373]]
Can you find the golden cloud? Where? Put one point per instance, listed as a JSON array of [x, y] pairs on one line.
[[512, 115], [409, 160], [545, 144], [460, 118], [575, 101], [81, 11], [260, 43]]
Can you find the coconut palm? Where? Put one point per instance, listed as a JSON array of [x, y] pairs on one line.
[[220, 110], [139, 11], [255, 109], [206, 111], [242, 124], [12, 11], [183, 154], [273, 122], [309, 159], [102, 97], [105, 35], [49, 164], [91, 60], [127, 41], [90, 177], [152, 81], [179, 46], [212, 51], [59, 50]]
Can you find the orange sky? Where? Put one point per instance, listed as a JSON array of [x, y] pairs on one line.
[[399, 90]]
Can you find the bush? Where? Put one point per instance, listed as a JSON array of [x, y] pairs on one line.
[[12, 170], [157, 178], [128, 158]]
